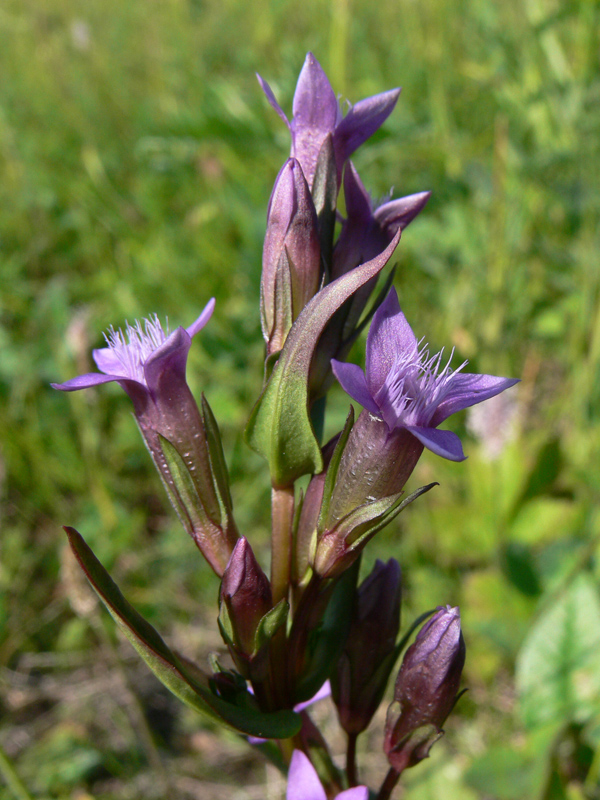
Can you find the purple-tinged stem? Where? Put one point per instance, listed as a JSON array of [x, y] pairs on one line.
[[282, 514], [351, 771], [387, 787]]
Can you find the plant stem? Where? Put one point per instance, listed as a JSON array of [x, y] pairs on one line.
[[282, 513], [387, 787], [351, 760]]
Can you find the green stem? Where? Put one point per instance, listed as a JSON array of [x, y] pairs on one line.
[[12, 780], [282, 513], [387, 787]]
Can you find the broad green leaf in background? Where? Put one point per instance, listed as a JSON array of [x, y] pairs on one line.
[[514, 771], [558, 667]]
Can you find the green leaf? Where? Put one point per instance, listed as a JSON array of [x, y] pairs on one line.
[[270, 624], [370, 518], [324, 192], [558, 668], [218, 464], [280, 427], [187, 683], [183, 493], [332, 470], [329, 639]]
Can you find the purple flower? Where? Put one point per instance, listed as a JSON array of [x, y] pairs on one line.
[[149, 363], [139, 358], [367, 231], [408, 388], [317, 115], [304, 783]]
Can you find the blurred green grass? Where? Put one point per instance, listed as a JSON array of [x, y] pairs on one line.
[[137, 156]]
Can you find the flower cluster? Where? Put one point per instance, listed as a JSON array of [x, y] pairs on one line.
[[310, 621]]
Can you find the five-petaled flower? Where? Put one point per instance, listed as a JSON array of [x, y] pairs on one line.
[[410, 389], [304, 783], [317, 116]]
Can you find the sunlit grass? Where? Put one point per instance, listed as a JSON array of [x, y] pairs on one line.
[[137, 156]]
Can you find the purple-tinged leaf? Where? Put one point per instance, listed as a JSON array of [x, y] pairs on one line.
[[280, 426]]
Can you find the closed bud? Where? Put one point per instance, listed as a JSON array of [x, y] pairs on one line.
[[363, 670], [246, 595], [426, 690], [291, 255]]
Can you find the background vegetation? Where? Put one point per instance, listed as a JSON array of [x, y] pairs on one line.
[[137, 155]]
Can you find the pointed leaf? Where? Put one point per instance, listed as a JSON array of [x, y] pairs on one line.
[[168, 667], [332, 470], [187, 497], [218, 464], [280, 427], [270, 624], [370, 522]]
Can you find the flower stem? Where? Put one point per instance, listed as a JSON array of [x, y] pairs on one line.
[[351, 760], [282, 513], [387, 787]]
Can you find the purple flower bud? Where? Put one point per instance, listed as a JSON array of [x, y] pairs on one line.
[[246, 592], [426, 690], [291, 255], [362, 673], [149, 363]]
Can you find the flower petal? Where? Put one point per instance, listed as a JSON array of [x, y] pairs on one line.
[[303, 781], [361, 122], [353, 382], [170, 358], [443, 443], [390, 340], [357, 793], [467, 390], [107, 361], [398, 213], [202, 319], [324, 691], [358, 202], [315, 103], [84, 381], [271, 98], [316, 113]]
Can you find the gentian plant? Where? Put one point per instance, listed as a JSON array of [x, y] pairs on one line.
[[309, 621]]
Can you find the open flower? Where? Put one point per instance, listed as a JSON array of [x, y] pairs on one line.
[[139, 358], [408, 388], [149, 363], [304, 783], [317, 115]]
